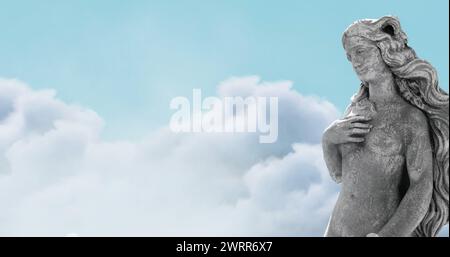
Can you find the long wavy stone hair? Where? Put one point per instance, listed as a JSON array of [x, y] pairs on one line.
[[417, 83]]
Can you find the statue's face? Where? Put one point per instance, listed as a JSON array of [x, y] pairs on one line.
[[365, 58]]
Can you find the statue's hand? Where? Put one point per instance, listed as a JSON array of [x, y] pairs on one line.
[[348, 130]]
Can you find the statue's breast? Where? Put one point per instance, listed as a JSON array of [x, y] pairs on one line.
[[386, 135], [385, 139], [383, 147]]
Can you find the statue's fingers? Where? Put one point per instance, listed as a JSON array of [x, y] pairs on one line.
[[355, 139], [360, 125], [358, 118], [359, 131], [353, 117]]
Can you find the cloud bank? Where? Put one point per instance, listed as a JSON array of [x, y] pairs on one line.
[[58, 177]]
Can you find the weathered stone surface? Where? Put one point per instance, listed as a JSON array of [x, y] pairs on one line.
[[390, 150]]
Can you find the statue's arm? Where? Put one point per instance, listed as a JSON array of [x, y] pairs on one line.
[[415, 203], [332, 154], [333, 160]]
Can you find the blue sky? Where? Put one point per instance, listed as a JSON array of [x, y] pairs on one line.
[[127, 59]]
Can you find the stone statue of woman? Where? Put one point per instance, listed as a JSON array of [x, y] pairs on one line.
[[390, 151]]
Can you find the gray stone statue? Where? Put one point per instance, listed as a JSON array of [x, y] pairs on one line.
[[390, 150]]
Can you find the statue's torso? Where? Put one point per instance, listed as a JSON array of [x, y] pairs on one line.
[[374, 177]]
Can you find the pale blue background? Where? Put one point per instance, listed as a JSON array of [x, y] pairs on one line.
[[127, 59]]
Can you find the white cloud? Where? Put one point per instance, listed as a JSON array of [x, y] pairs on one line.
[[58, 178]]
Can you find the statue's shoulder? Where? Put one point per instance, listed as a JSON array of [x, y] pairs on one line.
[[415, 115], [415, 119], [349, 109]]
